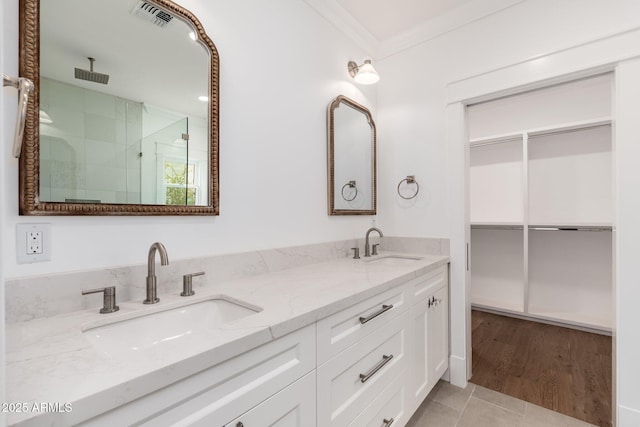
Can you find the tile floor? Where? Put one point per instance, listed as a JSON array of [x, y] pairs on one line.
[[476, 406]]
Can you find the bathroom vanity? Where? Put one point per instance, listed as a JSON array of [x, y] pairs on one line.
[[338, 343]]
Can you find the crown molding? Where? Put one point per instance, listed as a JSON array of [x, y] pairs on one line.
[[450, 21], [345, 22]]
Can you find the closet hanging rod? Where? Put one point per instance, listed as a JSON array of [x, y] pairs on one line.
[[496, 227], [494, 142], [569, 228]]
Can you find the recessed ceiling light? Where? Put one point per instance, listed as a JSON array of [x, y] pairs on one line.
[[203, 98]]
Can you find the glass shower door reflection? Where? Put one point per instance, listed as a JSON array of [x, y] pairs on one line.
[[168, 175]]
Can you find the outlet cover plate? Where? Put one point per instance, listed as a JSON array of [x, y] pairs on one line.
[[22, 233]]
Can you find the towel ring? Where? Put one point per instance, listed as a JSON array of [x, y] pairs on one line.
[[24, 86], [350, 184], [410, 179]]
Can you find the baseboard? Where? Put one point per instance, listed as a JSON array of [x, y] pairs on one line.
[[458, 371], [628, 417]]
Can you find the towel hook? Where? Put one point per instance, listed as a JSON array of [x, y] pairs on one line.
[[350, 184], [410, 179], [24, 86]]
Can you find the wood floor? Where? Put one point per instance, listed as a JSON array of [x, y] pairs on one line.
[[562, 369]]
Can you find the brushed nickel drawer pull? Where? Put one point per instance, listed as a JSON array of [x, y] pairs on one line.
[[372, 372], [384, 308], [387, 422]]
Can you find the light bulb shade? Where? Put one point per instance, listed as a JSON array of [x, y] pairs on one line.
[[366, 74]]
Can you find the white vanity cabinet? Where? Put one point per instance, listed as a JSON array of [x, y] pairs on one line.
[[402, 354], [370, 364], [218, 395], [429, 335]]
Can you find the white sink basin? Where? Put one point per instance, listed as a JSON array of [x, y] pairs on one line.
[[393, 260], [166, 330]]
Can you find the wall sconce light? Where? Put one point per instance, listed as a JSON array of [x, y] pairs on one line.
[[363, 74]]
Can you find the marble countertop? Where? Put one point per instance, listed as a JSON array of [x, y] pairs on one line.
[[51, 360]]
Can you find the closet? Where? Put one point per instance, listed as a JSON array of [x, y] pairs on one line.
[[541, 204]]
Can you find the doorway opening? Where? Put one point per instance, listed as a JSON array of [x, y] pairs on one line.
[[541, 246]]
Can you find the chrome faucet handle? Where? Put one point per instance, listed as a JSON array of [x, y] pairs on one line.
[[374, 249], [187, 284], [356, 252], [109, 298]]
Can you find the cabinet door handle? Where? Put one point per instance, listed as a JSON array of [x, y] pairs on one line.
[[384, 308], [239, 424], [385, 359], [387, 422]]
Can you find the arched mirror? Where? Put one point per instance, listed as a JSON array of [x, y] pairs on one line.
[[352, 158], [124, 117]]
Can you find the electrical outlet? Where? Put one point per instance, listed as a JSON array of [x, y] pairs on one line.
[[33, 243]]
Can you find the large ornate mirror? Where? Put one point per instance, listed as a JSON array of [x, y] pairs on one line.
[[124, 117], [351, 158]]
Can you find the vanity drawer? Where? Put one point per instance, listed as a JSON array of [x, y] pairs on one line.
[[340, 330], [426, 285], [388, 409], [295, 406], [348, 382]]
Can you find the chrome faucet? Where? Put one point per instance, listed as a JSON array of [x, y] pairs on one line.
[[152, 291], [367, 249]]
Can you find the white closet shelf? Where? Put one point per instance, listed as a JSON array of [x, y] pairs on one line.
[[563, 127]]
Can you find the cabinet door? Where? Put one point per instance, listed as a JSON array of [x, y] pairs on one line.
[[295, 406], [429, 341], [418, 341], [438, 337]]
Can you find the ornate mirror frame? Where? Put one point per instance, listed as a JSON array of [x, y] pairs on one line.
[[29, 186], [341, 99]]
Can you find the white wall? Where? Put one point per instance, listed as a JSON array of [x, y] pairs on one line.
[[413, 89], [414, 121], [5, 138], [281, 65], [627, 248]]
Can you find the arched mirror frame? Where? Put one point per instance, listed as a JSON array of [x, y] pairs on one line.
[[331, 157], [30, 157]]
